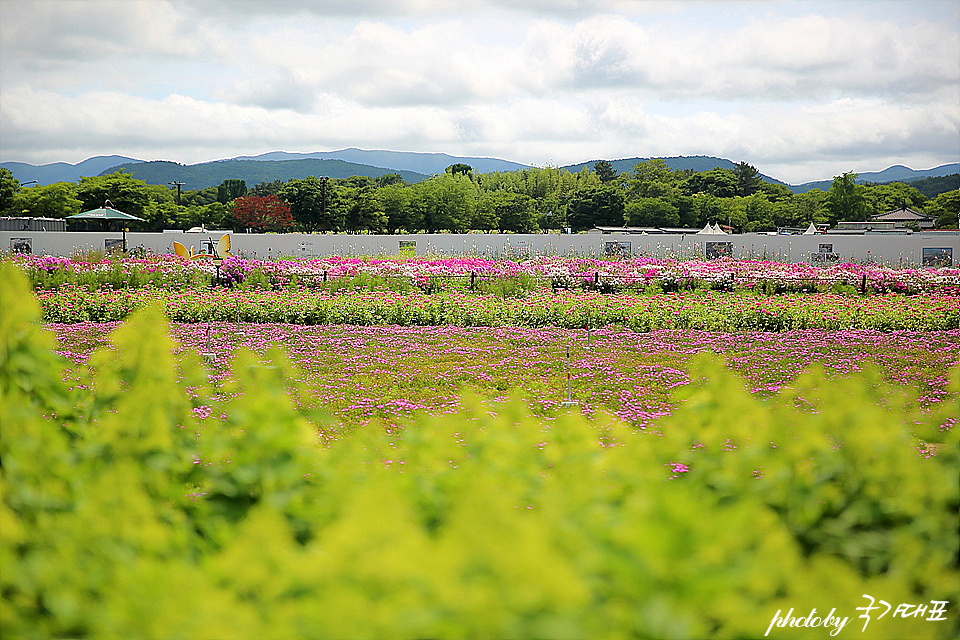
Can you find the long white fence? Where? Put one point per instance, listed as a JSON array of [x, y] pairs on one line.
[[898, 250]]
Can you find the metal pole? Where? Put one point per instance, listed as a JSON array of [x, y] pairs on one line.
[[178, 185]]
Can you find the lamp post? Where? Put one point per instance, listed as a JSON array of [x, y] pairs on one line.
[[217, 261]]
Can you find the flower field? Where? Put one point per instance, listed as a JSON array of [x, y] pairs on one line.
[[170, 271], [696, 310], [358, 375], [382, 455], [375, 341]]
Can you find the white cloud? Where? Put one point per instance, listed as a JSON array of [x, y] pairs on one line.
[[796, 86]]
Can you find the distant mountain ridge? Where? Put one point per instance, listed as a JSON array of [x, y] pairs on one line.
[[46, 174], [424, 163], [896, 173], [413, 166], [211, 174]]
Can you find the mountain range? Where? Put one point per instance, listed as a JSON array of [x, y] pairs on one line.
[[413, 167]]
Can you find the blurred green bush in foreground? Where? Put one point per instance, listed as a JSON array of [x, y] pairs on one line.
[[124, 516]]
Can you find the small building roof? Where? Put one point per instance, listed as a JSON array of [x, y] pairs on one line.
[[903, 214]]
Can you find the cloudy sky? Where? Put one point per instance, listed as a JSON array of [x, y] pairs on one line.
[[802, 90]]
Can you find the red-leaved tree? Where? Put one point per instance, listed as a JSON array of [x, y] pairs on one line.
[[263, 213]]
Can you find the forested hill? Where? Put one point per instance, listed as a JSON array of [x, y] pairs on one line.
[[211, 174], [932, 187]]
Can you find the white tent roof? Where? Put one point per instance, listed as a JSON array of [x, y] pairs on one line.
[[707, 230], [811, 230]]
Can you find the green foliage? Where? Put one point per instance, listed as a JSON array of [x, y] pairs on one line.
[[230, 190], [459, 168], [894, 195], [365, 211], [748, 179], [653, 179], [57, 200], [9, 186], [508, 212], [946, 207], [932, 187], [595, 206], [314, 204], [721, 183], [846, 200], [447, 201], [651, 212], [74, 284], [131, 518], [125, 192], [605, 171]]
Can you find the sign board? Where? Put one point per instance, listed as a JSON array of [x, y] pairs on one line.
[[616, 248], [825, 254], [937, 257], [716, 250], [21, 245]]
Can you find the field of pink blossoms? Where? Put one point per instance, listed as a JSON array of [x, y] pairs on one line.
[[380, 339], [350, 376], [168, 270]]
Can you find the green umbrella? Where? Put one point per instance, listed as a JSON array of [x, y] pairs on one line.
[[107, 212]]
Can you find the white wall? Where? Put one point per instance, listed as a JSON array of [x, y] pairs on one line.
[[894, 250]]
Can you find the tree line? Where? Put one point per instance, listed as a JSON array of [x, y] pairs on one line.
[[460, 200]]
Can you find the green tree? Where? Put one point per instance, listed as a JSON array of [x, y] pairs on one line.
[[447, 201], [748, 179], [651, 212], [775, 192], [802, 209], [732, 211], [389, 179], [9, 187], [605, 171], [459, 169], [57, 200], [759, 212], [364, 211], [230, 190], [595, 206], [706, 208], [485, 214], [514, 212], [395, 203], [946, 208], [200, 197], [125, 192], [652, 179], [313, 204], [845, 199], [211, 216], [266, 188], [721, 183], [881, 198]]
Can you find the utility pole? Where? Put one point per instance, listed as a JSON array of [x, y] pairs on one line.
[[323, 203], [178, 185]]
